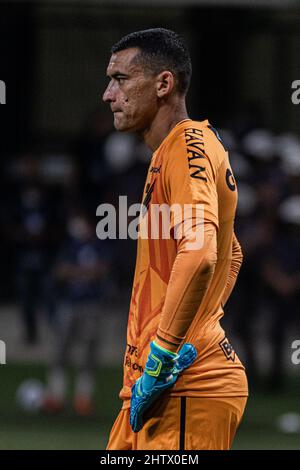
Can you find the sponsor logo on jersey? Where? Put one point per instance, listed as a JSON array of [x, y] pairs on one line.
[[230, 180], [147, 199], [195, 152], [131, 353], [227, 349], [155, 169]]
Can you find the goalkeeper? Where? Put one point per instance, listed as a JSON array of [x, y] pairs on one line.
[[184, 387]]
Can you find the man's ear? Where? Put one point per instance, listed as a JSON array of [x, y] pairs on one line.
[[165, 84]]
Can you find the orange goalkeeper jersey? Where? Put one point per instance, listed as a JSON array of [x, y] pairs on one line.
[[192, 167]]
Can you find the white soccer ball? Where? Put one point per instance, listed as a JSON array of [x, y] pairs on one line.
[[30, 395]]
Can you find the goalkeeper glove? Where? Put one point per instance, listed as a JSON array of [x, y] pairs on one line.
[[161, 372]]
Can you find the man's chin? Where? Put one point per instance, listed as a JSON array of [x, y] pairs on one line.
[[121, 126]]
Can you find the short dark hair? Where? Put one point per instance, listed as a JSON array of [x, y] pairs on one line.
[[160, 49]]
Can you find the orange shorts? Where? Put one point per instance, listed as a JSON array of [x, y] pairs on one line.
[[181, 423]]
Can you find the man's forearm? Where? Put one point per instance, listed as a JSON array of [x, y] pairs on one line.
[[190, 278]]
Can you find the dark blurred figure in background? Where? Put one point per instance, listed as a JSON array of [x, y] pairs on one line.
[[82, 274], [33, 262], [110, 165], [89, 151], [257, 231], [268, 169], [29, 226], [281, 279]]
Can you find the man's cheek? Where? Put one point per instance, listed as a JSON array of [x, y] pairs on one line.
[[124, 99]]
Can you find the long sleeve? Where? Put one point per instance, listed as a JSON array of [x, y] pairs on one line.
[[236, 262], [190, 278]]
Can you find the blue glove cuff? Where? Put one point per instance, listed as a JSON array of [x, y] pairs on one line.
[[160, 348], [159, 357]]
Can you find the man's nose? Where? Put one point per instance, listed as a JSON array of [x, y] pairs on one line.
[[108, 96]]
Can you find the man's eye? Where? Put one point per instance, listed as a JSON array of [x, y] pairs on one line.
[[120, 80]]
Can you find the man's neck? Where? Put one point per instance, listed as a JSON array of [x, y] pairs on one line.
[[164, 121]]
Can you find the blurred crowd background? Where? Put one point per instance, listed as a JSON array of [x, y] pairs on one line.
[[61, 159]]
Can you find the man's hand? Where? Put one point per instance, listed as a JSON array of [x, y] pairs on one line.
[[161, 372]]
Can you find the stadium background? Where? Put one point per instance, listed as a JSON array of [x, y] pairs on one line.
[[57, 146]]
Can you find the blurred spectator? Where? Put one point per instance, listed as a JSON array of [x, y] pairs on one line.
[[31, 234], [267, 170], [89, 150], [281, 278], [82, 275]]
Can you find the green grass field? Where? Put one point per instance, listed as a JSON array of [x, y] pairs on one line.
[[19, 430]]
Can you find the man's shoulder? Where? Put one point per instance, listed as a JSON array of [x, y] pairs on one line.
[[196, 137], [190, 130], [189, 126]]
